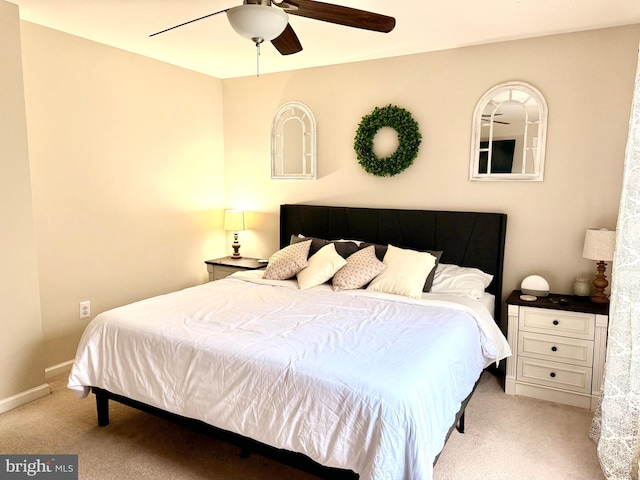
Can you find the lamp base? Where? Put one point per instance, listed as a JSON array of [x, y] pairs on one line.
[[600, 283], [236, 247], [599, 299]]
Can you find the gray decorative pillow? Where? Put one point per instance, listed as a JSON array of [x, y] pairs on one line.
[[362, 267], [287, 262], [429, 281], [343, 247]]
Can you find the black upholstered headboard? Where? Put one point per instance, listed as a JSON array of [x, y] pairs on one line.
[[468, 239]]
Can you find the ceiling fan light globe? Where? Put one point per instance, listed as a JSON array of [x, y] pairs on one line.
[[257, 21]]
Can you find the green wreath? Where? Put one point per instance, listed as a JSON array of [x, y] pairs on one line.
[[409, 138]]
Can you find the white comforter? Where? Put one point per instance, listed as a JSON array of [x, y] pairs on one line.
[[355, 380]]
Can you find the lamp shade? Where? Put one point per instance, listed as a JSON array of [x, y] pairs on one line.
[[234, 220], [257, 22], [599, 244]]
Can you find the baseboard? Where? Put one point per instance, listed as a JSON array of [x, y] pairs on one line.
[[59, 369], [32, 394], [22, 398]]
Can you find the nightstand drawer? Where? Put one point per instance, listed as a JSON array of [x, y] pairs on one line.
[[221, 271], [556, 348], [555, 322], [554, 375]]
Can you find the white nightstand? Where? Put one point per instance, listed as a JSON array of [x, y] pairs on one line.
[[558, 349], [223, 267]]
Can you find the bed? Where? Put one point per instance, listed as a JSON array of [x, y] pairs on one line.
[[360, 382]]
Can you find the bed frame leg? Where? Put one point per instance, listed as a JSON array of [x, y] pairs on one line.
[[460, 426], [102, 406]]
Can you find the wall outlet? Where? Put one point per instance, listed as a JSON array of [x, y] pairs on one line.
[[85, 309]]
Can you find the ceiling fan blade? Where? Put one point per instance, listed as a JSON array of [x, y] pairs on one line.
[[187, 23], [350, 17], [286, 4], [287, 42]]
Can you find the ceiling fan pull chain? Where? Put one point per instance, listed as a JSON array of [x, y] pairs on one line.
[[258, 59]]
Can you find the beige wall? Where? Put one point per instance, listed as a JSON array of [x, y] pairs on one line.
[[21, 354], [586, 78], [128, 177]]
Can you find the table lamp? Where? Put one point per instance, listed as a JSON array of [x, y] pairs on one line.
[[599, 245], [234, 222]]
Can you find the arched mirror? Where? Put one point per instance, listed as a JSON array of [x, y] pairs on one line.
[[293, 142], [509, 134]]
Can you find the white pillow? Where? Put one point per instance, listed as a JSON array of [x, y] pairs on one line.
[[322, 266], [405, 274], [362, 267], [464, 281], [285, 263]]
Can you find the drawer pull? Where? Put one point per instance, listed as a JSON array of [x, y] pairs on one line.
[[554, 349], [552, 374], [556, 322]]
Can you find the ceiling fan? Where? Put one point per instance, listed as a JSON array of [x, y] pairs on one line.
[[267, 20]]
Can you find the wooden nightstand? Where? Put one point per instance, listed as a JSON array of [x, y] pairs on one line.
[[558, 349], [223, 267]]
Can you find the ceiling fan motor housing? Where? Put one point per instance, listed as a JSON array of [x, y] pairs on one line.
[[257, 22]]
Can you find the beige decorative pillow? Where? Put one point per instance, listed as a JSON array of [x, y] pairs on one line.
[[322, 265], [362, 267], [285, 263], [405, 274]]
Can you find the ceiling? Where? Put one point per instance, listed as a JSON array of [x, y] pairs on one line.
[[212, 47]]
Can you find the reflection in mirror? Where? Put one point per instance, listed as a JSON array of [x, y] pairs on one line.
[[509, 134], [293, 142]]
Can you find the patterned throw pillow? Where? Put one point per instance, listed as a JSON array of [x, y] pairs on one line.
[[362, 267], [285, 263]]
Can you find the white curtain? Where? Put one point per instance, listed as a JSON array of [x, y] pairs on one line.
[[615, 427]]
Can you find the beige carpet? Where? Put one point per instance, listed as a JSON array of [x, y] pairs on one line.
[[507, 438], [518, 438]]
